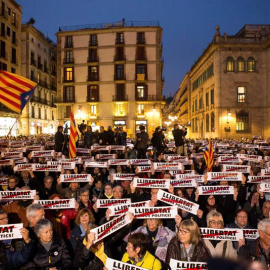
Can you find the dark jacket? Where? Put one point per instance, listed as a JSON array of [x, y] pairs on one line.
[[178, 135], [59, 139], [143, 143], [88, 139], [200, 254], [58, 256], [14, 259], [157, 140], [76, 237]]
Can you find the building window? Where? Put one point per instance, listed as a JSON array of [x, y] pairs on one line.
[[39, 113], [93, 110], [196, 105], [242, 121], [13, 70], [200, 103], [14, 18], [196, 125], [212, 122], [120, 92], [32, 111], [140, 109], [68, 57], [69, 42], [141, 92], [69, 94], [38, 78], [141, 72], [251, 64], [240, 64], [69, 74], [14, 40], [203, 77], [119, 72], [93, 93], [212, 97], [45, 113], [8, 31], [93, 40], [3, 29], [119, 54], [140, 55], [140, 38], [52, 115], [119, 38], [193, 106], [229, 64], [93, 55], [241, 94], [13, 56], [207, 123], [207, 99], [68, 111], [119, 110], [93, 73]]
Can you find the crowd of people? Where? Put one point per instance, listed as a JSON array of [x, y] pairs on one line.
[[69, 238]]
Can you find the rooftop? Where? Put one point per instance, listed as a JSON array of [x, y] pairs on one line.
[[110, 25]]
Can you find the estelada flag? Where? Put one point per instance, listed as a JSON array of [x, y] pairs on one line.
[[209, 156], [73, 137], [15, 90]]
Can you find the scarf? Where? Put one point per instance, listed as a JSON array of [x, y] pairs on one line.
[[186, 255], [98, 252]]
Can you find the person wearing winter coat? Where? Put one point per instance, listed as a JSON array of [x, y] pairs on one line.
[[187, 244], [51, 252]]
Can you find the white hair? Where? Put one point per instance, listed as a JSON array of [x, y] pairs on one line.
[[263, 224], [41, 224], [32, 208]]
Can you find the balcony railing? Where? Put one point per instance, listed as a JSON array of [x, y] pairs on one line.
[[119, 77], [69, 45], [40, 66], [4, 13], [14, 60], [120, 98], [141, 40], [150, 98], [141, 57], [68, 61], [68, 79], [69, 100], [92, 99], [119, 58], [93, 43], [92, 77], [119, 41], [93, 59], [53, 87], [46, 70], [33, 62]]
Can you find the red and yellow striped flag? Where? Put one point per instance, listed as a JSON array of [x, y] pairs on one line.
[[209, 156], [15, 90], [73, 137]]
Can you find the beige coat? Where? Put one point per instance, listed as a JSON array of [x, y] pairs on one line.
[[218, 250]]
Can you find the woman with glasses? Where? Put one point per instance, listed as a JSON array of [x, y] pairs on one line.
[[187, 244], [219, 248]]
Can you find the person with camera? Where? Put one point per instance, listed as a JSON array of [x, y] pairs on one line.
[[179, 138], [59, 139], [142, 143]]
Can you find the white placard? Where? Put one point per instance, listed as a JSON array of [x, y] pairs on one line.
[[65, 165], [121, 162], [117, 147], [183, 265], [123, 176], [216, 190], [48, 153], [23, 167], [236, 168], [179, 202], [224, 176], [151, 183], [183, 183], [75, 178], [265, 187], [222, 234], [140, 162], [105, 156], [226, 159], [6, 162], [175, 173], [110, 227], [112, 264], [160, 166], [34, 148], [197, 177], [122, 208], [17, 195], [11, 150], [251, 234], [142, 169], [10, 231], [100, 148], [177, 158], [77, 160], [105, 203], [265, 172], [20, 160], [47, 168], [11, 154], [83, 151], [258, 179], [3, 181], [96, 164], [154, 212], [57, 204]]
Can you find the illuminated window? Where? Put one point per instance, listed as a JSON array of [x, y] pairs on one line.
[[229, 64], [207, 123], [93, 110], [251, 64], [93, 73], [38, 78], [140, 109], [93, 93], [13, 18], [241, 94], [242, 121], [240, 64], [212, 122], [69, 74], [119, 109]]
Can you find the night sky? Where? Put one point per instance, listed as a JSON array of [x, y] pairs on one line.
[[188, 25]]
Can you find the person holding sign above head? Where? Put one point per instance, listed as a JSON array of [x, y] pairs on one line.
[[10, 259], [138, 254], [220, 248], [187, 244]]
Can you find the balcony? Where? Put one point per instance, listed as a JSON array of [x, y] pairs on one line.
[[53, 87], [69, 45], [120, 98], [119, 77], [141, 77], [93, 78], [68, 61], [4, 13], [53, 73], [46, 70], [70, 100], [119, 58], [141, 40], [39, 100], [66, 80], [141, 57], [93, 43], [150, 98], [119, 41], [92, 99], [93, 59], [14, 41], [14, 60], [33, 62], [4, 55], [15, 23]]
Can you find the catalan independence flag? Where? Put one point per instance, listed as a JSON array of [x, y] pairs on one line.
[[209, 156], [15, 90], [73, 137]]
